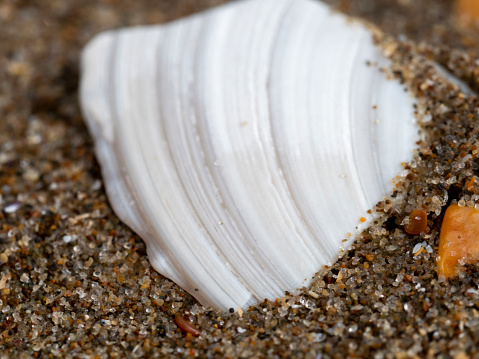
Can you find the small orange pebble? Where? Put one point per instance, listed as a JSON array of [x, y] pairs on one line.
[[470, 184], [185, 325], [459, 238], [417, 222], [362, 219], [419, 251], [467, 12]]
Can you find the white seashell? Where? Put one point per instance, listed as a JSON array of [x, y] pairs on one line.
[[242, 144]]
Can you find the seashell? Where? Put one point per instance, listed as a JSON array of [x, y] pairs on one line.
[[244, 143]]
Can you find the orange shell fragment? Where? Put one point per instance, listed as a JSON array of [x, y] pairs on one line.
[[417, 222], [470, 184], [467, 12], [459, 238], [185, 325]]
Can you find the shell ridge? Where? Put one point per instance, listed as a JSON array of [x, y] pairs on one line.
[[273, 134], [364, 181], [231, 206], [223, 239], [218, 178], [267, 146], [92, 88], [313, 26], [131, 137], [374, 135], [102, 130], [204, 134], [348, 139], [125, 180], [202, 145], [119, 148], [170, 140], [372, 143], [277, 191]]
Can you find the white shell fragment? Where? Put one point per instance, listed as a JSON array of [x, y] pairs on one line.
[[243, 144]]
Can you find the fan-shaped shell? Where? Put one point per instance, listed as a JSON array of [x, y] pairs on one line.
[[243, 144]]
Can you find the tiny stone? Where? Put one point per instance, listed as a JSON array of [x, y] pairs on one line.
[[67, 239], [11, 208], [416, 248], [3, 258]]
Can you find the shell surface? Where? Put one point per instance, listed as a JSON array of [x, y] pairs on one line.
[[243, 144]]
